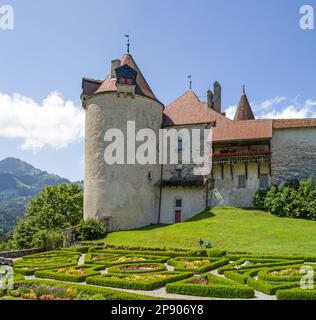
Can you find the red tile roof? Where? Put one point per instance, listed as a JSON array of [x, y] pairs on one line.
[[109, 84], [294, 123], [188, 109], [244, 111]]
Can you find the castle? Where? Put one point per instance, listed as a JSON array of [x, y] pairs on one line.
[[247, 154]]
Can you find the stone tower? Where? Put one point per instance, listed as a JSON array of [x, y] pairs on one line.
[[124, 196]]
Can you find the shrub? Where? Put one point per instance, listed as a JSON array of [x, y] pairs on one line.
[[138, 268], [91, 229], [270, 288], [236, 256], [296, 294], [289, 273], [294, 200], [48, 239], [72, 274], [208, 285], [149, 281], [197, 265]]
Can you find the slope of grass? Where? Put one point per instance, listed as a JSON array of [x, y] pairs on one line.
[[229, 228]]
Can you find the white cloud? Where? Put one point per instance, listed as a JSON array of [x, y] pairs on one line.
[[230, 112], [55, 123], [280, 108]]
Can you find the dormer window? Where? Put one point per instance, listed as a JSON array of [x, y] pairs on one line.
[[123, 80]]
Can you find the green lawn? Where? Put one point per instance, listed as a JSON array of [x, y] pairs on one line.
[[229, 228]]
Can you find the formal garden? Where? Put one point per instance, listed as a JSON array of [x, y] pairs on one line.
[[122, 273]]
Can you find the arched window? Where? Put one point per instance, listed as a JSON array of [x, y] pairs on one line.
[[180, 145]]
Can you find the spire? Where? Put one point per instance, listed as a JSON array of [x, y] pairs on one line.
[[244, 111], [190, 81], [128, 43]]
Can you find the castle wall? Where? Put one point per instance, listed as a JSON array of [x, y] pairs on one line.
[[123, 194], [193, 202], [294, 154], [226, 191]]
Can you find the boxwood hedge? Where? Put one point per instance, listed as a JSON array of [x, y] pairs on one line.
[[137, 268], [266, 274], [211, 286], [181, 264], [62, 274], [296, 294], [138, 281], [270, 288]]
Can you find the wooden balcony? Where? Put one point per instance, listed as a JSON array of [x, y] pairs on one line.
[[242, 157]]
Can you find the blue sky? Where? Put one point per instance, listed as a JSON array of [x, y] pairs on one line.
[[55, 43]]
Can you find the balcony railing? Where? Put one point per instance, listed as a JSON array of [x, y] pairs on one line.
[[242, 157]]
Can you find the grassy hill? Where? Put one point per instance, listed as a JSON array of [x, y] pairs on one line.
[[229, 228]]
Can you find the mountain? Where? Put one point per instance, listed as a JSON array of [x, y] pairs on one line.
[[19, 182]]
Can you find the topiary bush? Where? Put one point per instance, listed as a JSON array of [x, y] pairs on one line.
[[208, 285], [144, 281], [270, 288], [91, 229], [296, 294]]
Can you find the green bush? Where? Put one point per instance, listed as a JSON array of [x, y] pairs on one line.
[[69, 273], [294, 200], [149, 281], [138, 268], [48, 239], [197, 265], [91, 229], [267, 274], [270, 288], [208, 285], [238, 264], [296, 294], [236, 256]]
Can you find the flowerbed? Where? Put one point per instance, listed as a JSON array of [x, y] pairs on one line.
[[144, 281], [137, 268]]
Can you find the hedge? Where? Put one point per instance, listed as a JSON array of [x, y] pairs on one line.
[[144, 253], [270, 288], [264, 274], [120, 281], [296, 294], [213, 263], [234, 266], [89, 257], [233, 256], [219, 288], [114, 260], [94, 292], [118, 269], [53, 274]]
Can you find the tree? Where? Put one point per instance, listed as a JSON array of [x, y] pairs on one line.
[[54, 209]]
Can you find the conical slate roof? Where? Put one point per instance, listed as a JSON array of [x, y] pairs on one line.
[[244, 111]]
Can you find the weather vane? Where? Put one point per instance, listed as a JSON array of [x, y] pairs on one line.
[[190, 81], [128, 43], [244, 89]]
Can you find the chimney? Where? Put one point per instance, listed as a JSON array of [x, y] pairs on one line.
[[217, 97], [114, 65], [210, 99]]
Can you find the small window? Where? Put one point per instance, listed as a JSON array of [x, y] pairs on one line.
[[178, 203], [180, 143], [264, 181], [122, 80], [129, 81], [149, 176], [242, 182]]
